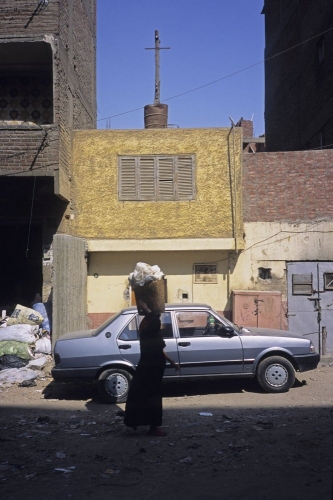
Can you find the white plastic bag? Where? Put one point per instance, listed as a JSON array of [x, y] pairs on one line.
[[43, 345], [20, 333], [144, 273], [24, 315], [17, 375]]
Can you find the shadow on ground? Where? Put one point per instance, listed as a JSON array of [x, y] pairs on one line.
[[78, 391]]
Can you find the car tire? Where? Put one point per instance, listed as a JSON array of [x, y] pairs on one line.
[[276, 374], [113, 385]]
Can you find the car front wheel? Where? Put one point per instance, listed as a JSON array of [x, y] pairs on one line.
[[113, 385], [276, 374]]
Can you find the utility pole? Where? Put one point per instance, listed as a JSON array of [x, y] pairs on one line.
[[157, 49]]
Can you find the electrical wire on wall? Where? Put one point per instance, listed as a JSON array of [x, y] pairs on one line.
[[32, 206]]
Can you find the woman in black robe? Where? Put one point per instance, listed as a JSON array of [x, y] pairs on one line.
[[144, 402]]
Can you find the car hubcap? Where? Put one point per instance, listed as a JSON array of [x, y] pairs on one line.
[[276, 375], [116, 385]]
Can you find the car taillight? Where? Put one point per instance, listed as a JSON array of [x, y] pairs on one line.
[[312, 347], [57, 359]]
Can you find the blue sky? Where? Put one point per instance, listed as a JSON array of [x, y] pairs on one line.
[[208, 40]]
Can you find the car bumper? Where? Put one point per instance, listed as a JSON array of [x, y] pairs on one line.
[[307, 362], [70, 374]]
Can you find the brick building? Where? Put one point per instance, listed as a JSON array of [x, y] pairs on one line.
[[47, 89], [298, 82], [288, 225]]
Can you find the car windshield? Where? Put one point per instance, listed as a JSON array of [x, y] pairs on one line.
[[237, 328]]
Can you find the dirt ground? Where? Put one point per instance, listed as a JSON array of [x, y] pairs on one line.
[[226, 440]]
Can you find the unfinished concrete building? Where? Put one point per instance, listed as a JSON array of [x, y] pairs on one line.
[[298, 74], [47, 89]]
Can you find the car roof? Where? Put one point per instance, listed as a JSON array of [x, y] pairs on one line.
[[171, 307]]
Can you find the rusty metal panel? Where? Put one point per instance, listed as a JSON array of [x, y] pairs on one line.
[[270, 310], [244, 308], [258, 309]]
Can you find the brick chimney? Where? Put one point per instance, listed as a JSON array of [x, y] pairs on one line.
[[247, 126]]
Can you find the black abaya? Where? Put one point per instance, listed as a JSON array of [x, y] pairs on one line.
[[144, 402]]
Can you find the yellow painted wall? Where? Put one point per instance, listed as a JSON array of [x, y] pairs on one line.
[[108, 291], [215, 212]]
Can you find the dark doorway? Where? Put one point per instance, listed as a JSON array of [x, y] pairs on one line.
[[21, 264]]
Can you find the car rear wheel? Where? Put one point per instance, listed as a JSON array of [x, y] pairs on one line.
[[113, 385], [276, 374]]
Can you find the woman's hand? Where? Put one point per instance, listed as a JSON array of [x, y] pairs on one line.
[[142, 306], [171, 361]]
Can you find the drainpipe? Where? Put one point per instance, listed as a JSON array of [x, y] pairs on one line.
[[235, 191], [232, 181]]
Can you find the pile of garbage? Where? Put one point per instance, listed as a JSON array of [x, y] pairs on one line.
[[25, 344]]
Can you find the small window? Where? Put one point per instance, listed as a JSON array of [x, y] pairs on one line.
[[156, 178], [321, 49], [302, 284], [328, 281], [322, 141], [265, 273], [205, 273]]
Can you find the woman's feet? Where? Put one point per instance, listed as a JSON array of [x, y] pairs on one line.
[[156, 431]]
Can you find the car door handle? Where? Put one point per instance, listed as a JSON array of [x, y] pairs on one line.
[[125, 346], [184, 344]]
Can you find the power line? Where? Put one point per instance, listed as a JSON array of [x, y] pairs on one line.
[[212, 83], [223, 77]]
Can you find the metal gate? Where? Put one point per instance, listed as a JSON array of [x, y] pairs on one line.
[[310, 302]]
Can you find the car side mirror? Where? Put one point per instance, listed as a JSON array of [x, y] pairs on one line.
[[226, 331]]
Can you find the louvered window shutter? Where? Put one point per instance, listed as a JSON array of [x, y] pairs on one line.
[[127, 179], [160, 178], [165, 175], [185, 177], [147, 178]]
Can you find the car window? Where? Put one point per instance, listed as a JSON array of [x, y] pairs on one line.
[[131, 331], [113, 324], [166, 325], [197, 324]]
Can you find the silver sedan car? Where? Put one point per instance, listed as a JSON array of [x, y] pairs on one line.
[[202, 342]]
